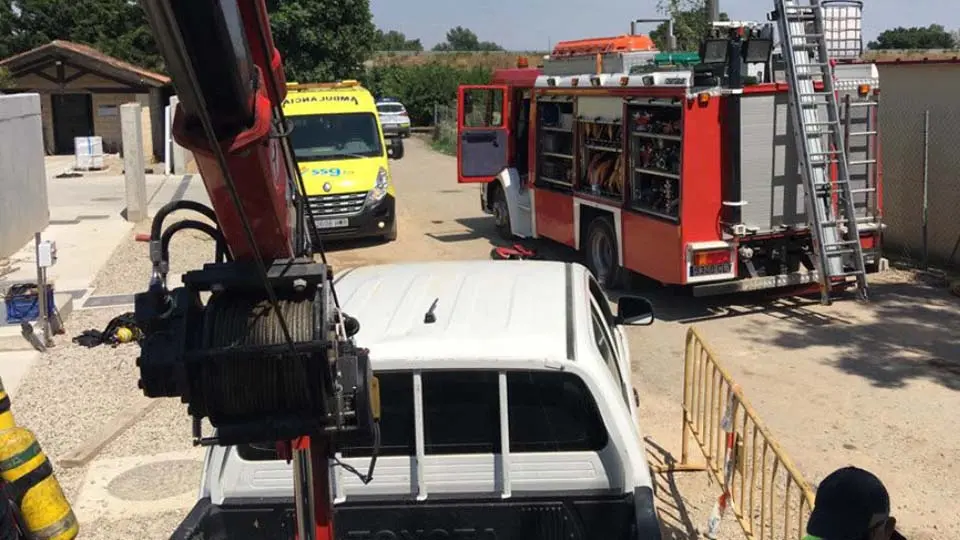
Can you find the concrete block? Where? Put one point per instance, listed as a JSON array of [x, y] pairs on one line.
[[24, 207], [131, 121]]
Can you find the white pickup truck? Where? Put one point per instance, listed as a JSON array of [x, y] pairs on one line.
[[507, 413]]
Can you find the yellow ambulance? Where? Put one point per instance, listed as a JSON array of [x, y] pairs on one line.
[[343, 157]]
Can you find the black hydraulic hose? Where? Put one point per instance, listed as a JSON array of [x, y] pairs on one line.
[[157, 226], [222, 253]]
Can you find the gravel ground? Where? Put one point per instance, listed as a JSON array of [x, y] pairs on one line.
[[877, 372]]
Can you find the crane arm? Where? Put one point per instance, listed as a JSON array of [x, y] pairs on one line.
[[270, 356]]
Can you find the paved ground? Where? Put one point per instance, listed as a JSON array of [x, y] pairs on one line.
[[848, 384]]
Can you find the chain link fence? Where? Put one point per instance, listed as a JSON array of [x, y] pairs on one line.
[[919, 126], [445, 129]]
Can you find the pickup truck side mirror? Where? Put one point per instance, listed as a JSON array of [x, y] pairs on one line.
[[634, 311]]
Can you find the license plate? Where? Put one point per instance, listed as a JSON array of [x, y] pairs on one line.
[[710, 270], [332, 223]]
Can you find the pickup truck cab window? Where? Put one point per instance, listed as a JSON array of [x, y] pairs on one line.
[[547, 412]]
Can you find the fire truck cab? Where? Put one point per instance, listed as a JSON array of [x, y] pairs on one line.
[[688, 175]]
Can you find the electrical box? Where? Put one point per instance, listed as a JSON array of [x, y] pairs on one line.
[[46, 254]]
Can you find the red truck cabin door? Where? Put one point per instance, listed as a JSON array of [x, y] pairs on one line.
[[483, 133]]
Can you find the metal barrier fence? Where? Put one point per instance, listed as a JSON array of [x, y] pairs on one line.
[[766, 493]]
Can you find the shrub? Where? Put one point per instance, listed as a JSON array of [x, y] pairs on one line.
[[420, 87]]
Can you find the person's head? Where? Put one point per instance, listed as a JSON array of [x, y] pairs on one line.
[[852, 504]]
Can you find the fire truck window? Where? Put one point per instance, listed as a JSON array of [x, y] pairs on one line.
[[483, 107], [552, 412], [461, 412], [655, 154]]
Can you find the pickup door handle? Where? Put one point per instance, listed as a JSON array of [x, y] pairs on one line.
[[481, 138]]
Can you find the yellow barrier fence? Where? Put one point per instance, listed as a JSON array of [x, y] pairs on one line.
[[761, 486]]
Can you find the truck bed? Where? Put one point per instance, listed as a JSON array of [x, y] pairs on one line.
[[603, 517]]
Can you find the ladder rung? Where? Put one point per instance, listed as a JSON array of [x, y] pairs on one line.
[[863, 133], [864, 104], [862, 162], [842, 243], [836, 222], [805, 36], [862, 190], [839, 253]]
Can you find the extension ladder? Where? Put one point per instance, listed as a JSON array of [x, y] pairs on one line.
[[820, 146]]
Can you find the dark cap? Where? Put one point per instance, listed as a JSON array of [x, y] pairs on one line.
[[847, 502]]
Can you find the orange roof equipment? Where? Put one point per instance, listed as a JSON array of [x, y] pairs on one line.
[[624, 43]]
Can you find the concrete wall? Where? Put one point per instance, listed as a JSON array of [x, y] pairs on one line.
[[907, 90], [23, 180]]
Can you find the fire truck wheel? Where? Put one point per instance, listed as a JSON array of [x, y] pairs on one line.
[[600, 251], [501, 213]]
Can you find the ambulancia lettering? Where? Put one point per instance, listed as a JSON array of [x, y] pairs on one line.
[[320, 99]]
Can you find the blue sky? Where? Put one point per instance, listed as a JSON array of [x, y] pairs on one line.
[[535, 24]]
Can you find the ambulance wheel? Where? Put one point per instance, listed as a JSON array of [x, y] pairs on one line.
[[391, 235], [501, 213], [600, 252]]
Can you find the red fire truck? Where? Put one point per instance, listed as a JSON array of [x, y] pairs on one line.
[[689, 176]]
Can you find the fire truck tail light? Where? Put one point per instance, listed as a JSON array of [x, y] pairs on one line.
[[863, 90], [703, 98], [707, 258]]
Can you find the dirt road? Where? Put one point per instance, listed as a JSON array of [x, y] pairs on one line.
[[876, 385]]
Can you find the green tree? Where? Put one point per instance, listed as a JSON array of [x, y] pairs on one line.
[[691, 22], [322, 40], [115, 27], [464, 39], [420, 87], [7, 22], [934, 36], [396, 41], [6, 80]]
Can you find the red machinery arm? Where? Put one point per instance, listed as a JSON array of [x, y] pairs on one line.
[[222, 59], [229, 78]]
